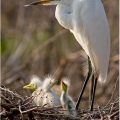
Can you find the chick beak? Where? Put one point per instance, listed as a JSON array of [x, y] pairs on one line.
[[41, 2], [64, 87], [30, 87]]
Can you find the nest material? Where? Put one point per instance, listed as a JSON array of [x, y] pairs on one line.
[[16, 107]]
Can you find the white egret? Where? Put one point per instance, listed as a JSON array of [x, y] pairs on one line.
[[86, 19], [66, 100], [36, 86], [51, 98]]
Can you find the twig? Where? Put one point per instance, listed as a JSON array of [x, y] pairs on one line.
[[23, 112], [46, 114], [20, 111], [2, 112], [112, 115], [15, 94], [112, 93], [32, 97], [112, 108], [102, 117]]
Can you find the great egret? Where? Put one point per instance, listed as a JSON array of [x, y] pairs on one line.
[[86, 19], [36, 86], [66, 100], [51, 98]]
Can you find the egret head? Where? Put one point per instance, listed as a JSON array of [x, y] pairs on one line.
[[49, 82], [44, 2], [64, 85], [34, 84]]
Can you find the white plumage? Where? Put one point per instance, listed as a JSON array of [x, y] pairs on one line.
[[36, 81], [51, 98], [43, 94], [38, 97], [36, 86], [86, 19]]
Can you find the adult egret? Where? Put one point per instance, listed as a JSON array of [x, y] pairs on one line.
[[86, 19], [66, 100], [51, 98], [36, 86]]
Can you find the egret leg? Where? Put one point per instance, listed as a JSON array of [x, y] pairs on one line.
[[91, 88], [85, 83], [93, 95]]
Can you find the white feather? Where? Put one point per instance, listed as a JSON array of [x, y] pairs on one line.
[[86, 19], [44, 95], [50, 98], [38, 94], [36, 81]]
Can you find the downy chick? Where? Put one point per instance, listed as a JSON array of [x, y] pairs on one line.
[[66, 100]]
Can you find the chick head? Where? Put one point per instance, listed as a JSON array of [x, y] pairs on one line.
[[65, 84], [34, 84], [49, 82]]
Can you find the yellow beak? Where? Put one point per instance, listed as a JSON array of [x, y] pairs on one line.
[[64, 87], [41, 2], [30, 87]]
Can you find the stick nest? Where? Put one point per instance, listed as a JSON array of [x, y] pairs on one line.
[[16, 107]]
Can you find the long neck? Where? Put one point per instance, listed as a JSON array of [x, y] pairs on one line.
[[63, 95], [63, 13]]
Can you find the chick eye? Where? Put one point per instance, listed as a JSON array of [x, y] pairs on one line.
[[35, 85]]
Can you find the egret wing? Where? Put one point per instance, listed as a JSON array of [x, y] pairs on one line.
[[93, 34]]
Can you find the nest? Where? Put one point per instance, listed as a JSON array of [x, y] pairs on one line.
[[16, 107]]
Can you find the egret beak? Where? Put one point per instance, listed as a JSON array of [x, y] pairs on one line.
[[41, 2], [64, 87], [30, 87], [44, 2]]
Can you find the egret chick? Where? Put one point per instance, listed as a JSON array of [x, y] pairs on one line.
[[36, 86], [66, 100], [51, 98]]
